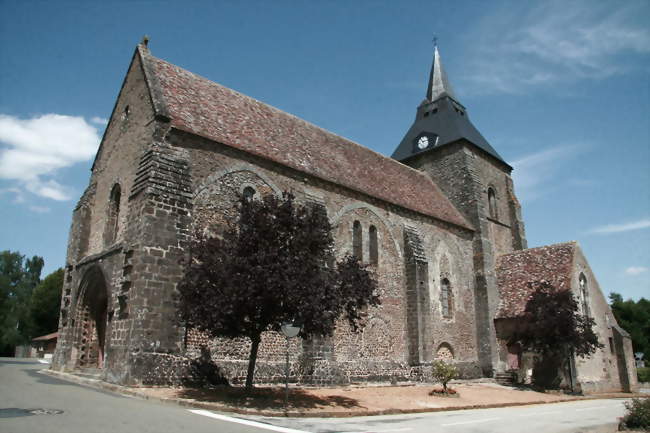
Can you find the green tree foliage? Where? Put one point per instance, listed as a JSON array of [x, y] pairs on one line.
[[634, 317], [45, 304], [637, 416], [553, 328], [275, 264], [443, 373], [18, 277]]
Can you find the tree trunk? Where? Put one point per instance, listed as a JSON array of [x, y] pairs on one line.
[[255, 343]]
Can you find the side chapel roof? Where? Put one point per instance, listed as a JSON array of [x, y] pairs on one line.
[[551, 263], [199, 106]]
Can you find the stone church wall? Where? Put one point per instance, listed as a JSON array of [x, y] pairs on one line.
[[219, 173], [128, 138], [465, 175], [606, 370]]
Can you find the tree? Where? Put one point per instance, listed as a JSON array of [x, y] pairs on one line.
[[553, 327], [18, 277], [45, 304], [443, 373], [634, 317], [275, 264]]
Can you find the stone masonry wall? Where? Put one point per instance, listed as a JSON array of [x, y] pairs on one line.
[[465, 173], [220, 172], [600, 372], [128, 135]]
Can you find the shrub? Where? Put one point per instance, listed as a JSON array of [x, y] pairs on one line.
[[443, 373], [643, 374], [638, 414]]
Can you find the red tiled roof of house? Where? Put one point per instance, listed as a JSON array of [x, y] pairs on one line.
[[51, 336], [197, 105], [551, 263]]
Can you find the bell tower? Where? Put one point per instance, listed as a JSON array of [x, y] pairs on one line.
[[444, 143]]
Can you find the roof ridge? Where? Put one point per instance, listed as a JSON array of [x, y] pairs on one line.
[[540, 247]]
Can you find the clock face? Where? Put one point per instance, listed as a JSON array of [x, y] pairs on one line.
[[423, 142]]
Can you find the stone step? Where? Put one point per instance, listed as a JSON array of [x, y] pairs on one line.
[[505, 378]]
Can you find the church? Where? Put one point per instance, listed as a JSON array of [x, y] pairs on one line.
[[438, 222]]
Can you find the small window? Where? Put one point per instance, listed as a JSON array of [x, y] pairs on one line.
[[446, 298], [126, 113], [611, 346], [248, 193], [492, 203], [372, 245], [112, 222], [584, 294], [357, 241]]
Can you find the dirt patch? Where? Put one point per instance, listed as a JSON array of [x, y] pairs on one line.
[[357, 400]]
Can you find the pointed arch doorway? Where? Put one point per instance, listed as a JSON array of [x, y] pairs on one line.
[[91, 319]]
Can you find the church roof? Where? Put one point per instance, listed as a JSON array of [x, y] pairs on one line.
[[551, 263], [442, 118], [197, 105]]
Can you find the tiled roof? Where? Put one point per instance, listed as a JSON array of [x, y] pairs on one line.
[[51, 336], [197, 105], [551, 263]]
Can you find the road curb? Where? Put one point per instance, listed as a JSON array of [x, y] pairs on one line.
[[124, 390]]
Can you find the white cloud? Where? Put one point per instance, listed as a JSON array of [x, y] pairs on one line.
[[636, 270], [99, 121], [624, 227], [556, 41], [534, 173], [19, 194], [33, 150]]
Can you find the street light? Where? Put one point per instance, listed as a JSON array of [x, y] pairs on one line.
[[290, 330]]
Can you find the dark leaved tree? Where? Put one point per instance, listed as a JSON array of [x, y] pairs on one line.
[[275, 264], [555, 330]]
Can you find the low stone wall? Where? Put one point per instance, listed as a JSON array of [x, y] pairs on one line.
[[161, 369]]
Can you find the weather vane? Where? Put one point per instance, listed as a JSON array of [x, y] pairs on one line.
[[435, 41]]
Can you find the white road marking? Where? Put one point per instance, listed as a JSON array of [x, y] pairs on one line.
[[470, 422], [245, 421], [43, 361]]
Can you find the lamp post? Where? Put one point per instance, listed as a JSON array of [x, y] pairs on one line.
[[289, 330]]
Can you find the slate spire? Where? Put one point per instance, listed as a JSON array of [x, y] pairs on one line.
[[438, 84], [440, 120]]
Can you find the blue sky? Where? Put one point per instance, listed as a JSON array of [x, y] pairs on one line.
[[560, 89]]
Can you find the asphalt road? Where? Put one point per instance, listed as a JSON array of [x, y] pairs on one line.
[[31, 402]]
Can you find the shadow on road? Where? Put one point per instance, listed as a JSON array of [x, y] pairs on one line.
[[19, 362]]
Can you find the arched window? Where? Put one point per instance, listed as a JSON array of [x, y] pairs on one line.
[[372, 245], [112, 222], [357, 241], [446, 298], [492, 203], [248, 193], [584, 294], [445, 352]]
